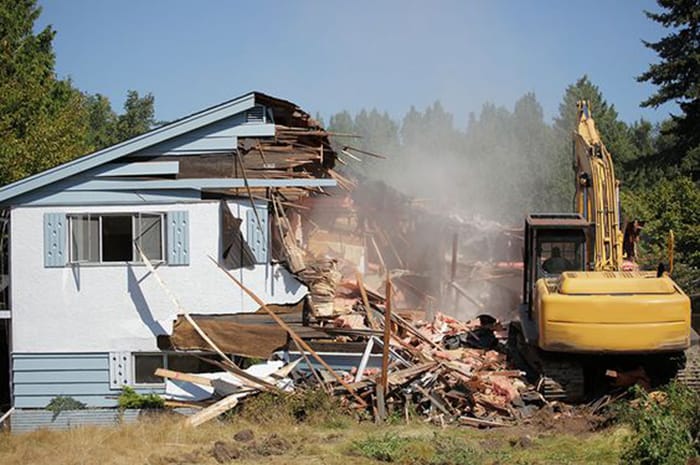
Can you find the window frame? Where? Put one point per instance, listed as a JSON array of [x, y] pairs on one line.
[[135, 259], [165, 355]]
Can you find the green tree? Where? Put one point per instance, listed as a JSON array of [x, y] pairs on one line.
[[108, 128], [677, 77], [615, 133], [377, 133], [669, 204], [43, 120], [138, 116], [341, 123], [102, 122]]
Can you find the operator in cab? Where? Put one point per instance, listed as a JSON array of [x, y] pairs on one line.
[[556, 264]]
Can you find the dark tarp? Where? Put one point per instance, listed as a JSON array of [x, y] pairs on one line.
[[247, 334]]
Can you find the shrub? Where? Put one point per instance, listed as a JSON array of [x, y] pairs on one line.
[[439, 450], [387, 447], [132, 399], [666, 427], [309, 405], [60, 403]]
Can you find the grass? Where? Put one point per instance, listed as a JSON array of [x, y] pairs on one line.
[[162, 440]]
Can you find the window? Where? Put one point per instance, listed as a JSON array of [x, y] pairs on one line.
[[559, 253], [145, 366], [113, 238]]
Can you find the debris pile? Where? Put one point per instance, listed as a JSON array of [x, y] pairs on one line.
[[378, 268], [446, 370]]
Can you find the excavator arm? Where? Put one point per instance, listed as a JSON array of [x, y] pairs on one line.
[[597, 193]]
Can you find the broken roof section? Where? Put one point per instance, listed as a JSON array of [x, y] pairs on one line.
[[279, 145]]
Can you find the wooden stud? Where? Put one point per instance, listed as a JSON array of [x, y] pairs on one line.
[[365, 301], [387, 338], [291, 332]]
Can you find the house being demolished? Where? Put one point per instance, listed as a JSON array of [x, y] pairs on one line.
[[84, 313], [112, 263]]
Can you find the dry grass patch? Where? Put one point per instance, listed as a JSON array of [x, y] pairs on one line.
[[163, 440]]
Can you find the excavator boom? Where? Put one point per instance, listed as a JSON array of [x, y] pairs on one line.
[[597, 193]]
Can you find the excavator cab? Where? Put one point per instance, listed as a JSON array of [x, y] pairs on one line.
[[554, 243]]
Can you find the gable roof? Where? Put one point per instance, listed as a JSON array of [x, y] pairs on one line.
[[176, 128]]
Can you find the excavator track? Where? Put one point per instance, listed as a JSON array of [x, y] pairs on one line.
[[690, 374], [562, 380], [557, 377]]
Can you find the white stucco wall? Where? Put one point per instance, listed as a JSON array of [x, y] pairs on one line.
[[119, 307]]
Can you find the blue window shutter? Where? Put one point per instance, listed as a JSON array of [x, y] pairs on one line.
[[257, 240], [178, 238], [55, 234]]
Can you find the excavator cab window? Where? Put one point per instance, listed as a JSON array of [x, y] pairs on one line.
[[559, 251]]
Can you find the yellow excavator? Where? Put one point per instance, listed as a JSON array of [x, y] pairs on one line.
[[581, 315]]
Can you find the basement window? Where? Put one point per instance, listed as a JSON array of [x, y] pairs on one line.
[[146, 364], [96, 238]]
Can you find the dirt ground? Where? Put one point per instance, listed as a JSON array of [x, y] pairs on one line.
[[165, 441]]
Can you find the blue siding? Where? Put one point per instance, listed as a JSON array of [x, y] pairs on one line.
[[23, 421], [145, 168], [65, 376], [38, 378], [219, 137]]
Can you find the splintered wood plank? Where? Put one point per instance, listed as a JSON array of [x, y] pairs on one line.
[[163, 373], [213, 411]]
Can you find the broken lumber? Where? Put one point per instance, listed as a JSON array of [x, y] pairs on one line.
[[291, 332], [365, 300], [477, 422], [365, 152], [163, 373], [213, 411], [387, 338]]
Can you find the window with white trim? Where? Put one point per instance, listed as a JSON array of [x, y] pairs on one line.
[[108, 238]]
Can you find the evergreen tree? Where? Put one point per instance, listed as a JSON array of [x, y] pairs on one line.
[[138, 116], [108, 128], [614, 133], [677, 77], [102, 122]]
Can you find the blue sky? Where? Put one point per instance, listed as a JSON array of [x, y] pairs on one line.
[[332, 55]]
